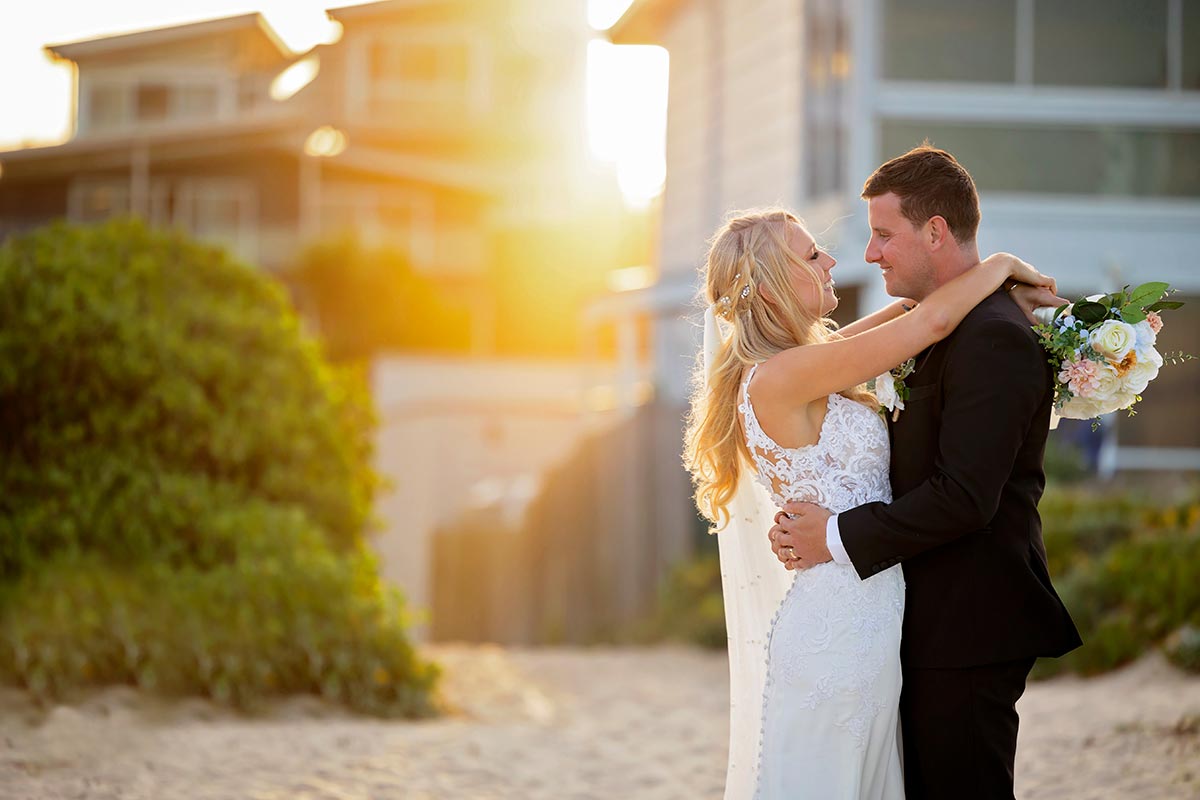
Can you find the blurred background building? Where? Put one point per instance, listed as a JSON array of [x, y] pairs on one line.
[[422, 181], [1080, 121]]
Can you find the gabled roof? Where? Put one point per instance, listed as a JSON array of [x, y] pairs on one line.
[[642, 22], [381, 6], [103, 45]]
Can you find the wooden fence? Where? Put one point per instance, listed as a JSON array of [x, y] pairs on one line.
[[588, 559]]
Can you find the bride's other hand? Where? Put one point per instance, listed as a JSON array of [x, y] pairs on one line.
[[798, 536], [1029, 297], [1022, 271]]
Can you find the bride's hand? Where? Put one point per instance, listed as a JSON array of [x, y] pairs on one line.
[[798, 536], [1023, 272], [1029, 298]]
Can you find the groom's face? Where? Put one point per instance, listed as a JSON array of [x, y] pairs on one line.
[[900, 249]]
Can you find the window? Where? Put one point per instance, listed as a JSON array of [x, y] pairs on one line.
[[216, 210], [153, 101], [849, 299], [1108, 160], [196, 100], [252, 89], [108, 107], [826, 69], [431, 68], [1191, 45], [420, 64], [950, 40], [118, 105], [379, 215], [1100, 43], [99, 201]]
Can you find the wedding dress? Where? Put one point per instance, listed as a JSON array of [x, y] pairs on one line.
[[827, 710]]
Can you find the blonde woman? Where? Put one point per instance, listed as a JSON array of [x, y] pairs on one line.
[[815, 689]]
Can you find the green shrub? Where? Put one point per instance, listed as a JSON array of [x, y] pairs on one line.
[[1183, 648], [1126, 565], [1080, 524], [147, 382], [302, 619], [371, 299], [185, 483], [691, 607], [1133, 577]]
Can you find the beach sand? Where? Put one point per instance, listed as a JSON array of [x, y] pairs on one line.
[[550, 723]]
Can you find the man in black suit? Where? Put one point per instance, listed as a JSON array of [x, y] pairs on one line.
[[966, 477]]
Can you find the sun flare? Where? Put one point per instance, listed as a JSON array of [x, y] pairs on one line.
[[602, 14], [627, 115]]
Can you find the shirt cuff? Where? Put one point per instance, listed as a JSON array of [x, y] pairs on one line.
[[833, 541]]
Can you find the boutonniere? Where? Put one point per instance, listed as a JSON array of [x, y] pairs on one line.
[[891, 390]]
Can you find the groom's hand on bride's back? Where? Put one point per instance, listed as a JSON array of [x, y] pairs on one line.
[[1029, 297], [798, 536]]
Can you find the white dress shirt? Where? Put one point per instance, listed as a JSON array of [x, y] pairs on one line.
[[833, 540]]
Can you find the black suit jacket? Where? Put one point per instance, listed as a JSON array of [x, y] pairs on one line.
[[966, 479]]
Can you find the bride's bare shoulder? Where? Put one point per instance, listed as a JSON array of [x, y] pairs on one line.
[[773, 382]]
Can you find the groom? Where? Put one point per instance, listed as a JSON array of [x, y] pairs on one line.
[[966, 476]]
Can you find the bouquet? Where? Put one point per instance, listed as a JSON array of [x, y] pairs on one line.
[[1102, 349]]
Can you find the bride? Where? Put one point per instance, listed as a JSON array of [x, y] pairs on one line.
[[782, 414]]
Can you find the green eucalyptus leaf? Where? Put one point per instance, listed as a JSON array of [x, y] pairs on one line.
[[1090, 312], [1165, 305], [1148, 293], [1132, 314]]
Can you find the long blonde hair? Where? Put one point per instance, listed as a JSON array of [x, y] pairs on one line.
[[748, 254]]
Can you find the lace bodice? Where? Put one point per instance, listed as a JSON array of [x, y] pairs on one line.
[[848, 465]]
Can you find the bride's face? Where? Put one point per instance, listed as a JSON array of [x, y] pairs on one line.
[[817, 296]]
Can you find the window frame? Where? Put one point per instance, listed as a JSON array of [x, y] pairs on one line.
[[1024, 55], [363, 90]]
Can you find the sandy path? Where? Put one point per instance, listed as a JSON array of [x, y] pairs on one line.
[[551, 723]]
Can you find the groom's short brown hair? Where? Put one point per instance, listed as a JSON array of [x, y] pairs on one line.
[[929, 182]]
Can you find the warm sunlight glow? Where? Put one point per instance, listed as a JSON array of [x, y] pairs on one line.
[[35, 95], [325, 141], [603, 14], [627, 115], [301, 24], [295, 77], [630, 279]]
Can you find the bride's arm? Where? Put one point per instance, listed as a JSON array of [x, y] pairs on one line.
[[807, 373], [1027, 297], [885, 314]]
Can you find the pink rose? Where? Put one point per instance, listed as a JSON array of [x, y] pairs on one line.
[[1155, 321], [1081, 376]]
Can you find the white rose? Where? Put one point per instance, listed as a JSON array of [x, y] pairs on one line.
[[1145, 370], [1146, 336], [1113, 339], [885, 391], [1081, 408], [1121, 400], [1108, 383]]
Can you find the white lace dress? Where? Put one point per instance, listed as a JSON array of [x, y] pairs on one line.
[[830, 709]]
